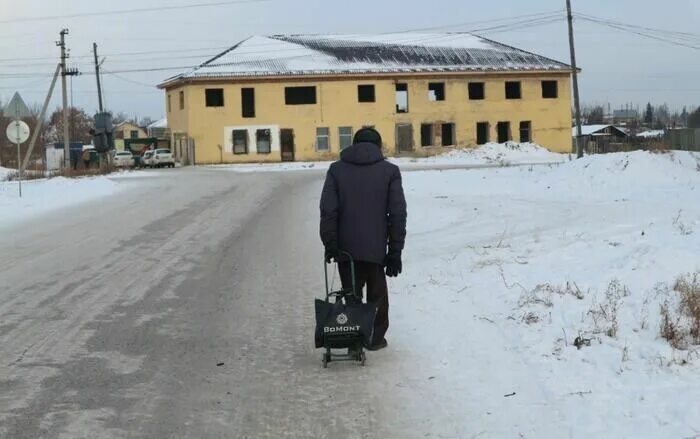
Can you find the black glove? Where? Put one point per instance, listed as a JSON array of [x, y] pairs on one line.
[[332, 251], [393, 265]]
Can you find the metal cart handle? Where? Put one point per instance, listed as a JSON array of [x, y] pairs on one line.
[[352, 272]]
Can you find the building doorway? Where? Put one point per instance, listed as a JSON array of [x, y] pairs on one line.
[[404, 138], [503, 129], [287, 144]]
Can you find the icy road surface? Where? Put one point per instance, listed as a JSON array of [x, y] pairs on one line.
[[182, 307]]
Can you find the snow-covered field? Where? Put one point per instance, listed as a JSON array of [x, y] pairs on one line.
[[42, 196], [491, 154], [506, 268]]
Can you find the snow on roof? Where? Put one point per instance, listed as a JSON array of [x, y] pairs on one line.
[[651, 134], [382, 53], [588, 130], [162, 123]]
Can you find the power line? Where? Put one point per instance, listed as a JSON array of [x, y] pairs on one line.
[[669, 37], [128, 11], [480, 22]]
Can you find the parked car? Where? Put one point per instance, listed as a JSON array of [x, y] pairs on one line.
[[147, 159], [163, 157], [123, 159]]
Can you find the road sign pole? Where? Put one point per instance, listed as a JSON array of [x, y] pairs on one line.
[[19, 168], [19, 159]]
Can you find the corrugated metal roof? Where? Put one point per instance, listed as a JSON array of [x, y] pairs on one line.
[[284, 55]]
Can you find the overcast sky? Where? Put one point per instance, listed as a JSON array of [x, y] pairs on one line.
[[617, 67]]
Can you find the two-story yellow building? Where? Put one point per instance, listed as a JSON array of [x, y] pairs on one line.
[[301, 97]]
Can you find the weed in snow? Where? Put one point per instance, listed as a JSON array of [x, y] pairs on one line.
[[604, 314], [680, 313]]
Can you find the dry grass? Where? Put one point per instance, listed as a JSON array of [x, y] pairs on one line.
[[604, 314], [542, 294], [680, 316]]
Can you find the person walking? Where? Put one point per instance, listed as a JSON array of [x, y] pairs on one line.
[[363, 212]]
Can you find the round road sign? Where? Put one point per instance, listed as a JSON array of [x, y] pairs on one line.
[[17, 131]]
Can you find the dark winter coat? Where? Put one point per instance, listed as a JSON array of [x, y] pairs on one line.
[[363, 207]]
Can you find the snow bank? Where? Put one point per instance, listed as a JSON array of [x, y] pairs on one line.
[[503, 154], [513, 265], [5, 172], [42, 196], [491, 154]]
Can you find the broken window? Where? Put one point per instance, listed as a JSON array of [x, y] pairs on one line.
[[482, 133], [240, 141], [299, 95], [436, 91], [448, 134], [503, 129], [401, 98], [345, 136], [525, 132], [365, 93], [323, 142], [426, 134], [182, 100], [550, 89], [263, 141], [476, 91], [214, 97], [248, 102], [169, 107], [513, 90]]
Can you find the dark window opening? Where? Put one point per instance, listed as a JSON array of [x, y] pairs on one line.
[[448, 134], [182, 100], [401, 98], [426, 134], [133, 134], [299, 95], [513, 90], [550, 89], [365, 93], [169, 107], [248, 102], [476, 91], [240, 141], [214, 97], [482, 133], [503, 129], [525, 132], [263, 141], [436, 91]]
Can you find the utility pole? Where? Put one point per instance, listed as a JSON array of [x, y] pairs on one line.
[[577, 103], [97, 74], [66, 139], [66, 111]]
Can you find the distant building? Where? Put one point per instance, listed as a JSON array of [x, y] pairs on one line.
[[127, 130], [159, 129], [600, 138], [624, 117], [302, 97]]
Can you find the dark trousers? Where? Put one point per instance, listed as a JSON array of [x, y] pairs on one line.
[[372, 276]]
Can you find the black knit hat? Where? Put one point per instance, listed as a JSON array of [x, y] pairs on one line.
[[368, 135]]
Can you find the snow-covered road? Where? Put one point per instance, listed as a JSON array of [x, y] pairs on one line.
[[190, 313]]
